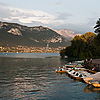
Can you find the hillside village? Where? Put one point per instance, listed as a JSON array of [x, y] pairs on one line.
[[25, 49]]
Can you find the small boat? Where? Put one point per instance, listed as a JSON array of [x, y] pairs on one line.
[[87, 79], [61, 70], [79, 62], [72, 75], [70, 72], [73, 65], [96, 84], [78, 76], [91, 71], [91, 89]]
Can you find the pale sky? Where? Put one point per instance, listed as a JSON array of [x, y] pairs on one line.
[[77, 15]]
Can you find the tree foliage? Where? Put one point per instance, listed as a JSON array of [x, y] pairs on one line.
[[86, 45], [97, 27], [83, 46]]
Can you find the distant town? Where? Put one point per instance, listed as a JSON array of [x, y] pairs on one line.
[[25, 49]]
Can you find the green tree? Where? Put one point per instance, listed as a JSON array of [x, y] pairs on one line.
[[86, 45], [97, 27], [82, 46], [97, 38], [62, 53], [97, 43], [78, 46], [88, 37]]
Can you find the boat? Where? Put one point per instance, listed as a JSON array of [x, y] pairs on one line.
[[93, 80], [96, 84], [72, 75], [74, 72], [71, 65], [79, 73], [91, 89], [92, 71], [69, 72], [87, 79], [75, 75], [80, 62], [61, 70], [79, 76]]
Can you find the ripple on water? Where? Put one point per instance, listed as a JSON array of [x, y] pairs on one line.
[[34, 79]]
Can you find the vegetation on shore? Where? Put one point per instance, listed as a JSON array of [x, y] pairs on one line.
[[86, 45]]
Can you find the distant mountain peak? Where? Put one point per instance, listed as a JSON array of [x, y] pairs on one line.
[[67, 33]]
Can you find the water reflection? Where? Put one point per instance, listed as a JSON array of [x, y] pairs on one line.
[[32, 81], [27, 78], [35, 78], [91, 89], [24, 86]]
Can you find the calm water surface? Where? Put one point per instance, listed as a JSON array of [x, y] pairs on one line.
[[34, 78]]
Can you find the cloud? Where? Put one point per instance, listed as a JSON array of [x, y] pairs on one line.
[[79, 27], [63, 15], [3, 4], [59, 20], [57, 3], [26, 16]]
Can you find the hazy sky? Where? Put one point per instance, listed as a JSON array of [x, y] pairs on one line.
[[77, 15]]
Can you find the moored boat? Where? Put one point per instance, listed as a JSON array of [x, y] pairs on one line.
[[91, 89], [78, 76], [91, 71], [73, 74], [75, 64], [70, 72], [96, 84], [93, 80], [61, 70], [82, 74]]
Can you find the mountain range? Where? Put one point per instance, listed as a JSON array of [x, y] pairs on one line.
[[14, 34], [67, 33]]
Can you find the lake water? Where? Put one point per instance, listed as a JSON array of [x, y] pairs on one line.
[[33, 77]]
